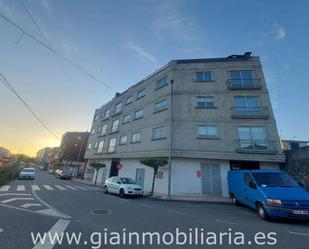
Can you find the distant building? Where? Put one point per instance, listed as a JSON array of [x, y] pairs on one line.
[[72, 151], [4, 152], [206, 116], [53, 157], [43, 156], [293, 144]]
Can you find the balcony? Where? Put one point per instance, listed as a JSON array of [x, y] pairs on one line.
[[242, 84], [250, 112], [256, 146]]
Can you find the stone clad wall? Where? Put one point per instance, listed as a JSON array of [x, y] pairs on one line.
[[297, 165]]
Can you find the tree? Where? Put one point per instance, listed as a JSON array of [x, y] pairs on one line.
[[155, 164], [97, 167]]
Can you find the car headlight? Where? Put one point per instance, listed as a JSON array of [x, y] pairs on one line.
[[274, 202]]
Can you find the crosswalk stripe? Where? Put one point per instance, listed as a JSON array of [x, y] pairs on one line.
[[35, 187], [5, 188], [60, 187], [71, 187], [20, 188], [48, 187], [82, 188], [91, 188]]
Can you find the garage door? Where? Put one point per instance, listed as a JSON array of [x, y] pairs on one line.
[[211, 179]]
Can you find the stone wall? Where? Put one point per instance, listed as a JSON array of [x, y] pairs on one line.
[[297, 165]]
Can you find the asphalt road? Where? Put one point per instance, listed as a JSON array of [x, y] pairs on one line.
[[51, 205]]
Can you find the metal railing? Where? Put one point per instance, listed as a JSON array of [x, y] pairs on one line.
[[250, 112], [239, 84], [256, 146]]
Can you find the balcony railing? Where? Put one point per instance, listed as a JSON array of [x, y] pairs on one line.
[[242, 84], [250, 112], [256, 146]]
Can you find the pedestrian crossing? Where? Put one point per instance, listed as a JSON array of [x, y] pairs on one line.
[[35, 187]]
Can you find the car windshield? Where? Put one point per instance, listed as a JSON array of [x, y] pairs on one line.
[[127, 181], [28, 170], [274, 180]]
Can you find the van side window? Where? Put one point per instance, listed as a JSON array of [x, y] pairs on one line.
[[248, 180]]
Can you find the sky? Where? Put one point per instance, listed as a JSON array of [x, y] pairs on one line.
[[121, 42]]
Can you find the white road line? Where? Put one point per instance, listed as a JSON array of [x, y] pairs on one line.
[[48, 187], [58, 228], [176, 212], [71, 187], [14, 194], [227, 222], [75, 186], [35, 187], [17, 199], [91, 188], [20, 188], [27, 205], [5, 188], [297, 233], [60, 187]]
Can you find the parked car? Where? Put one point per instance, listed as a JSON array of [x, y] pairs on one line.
[[27, 173], [273, 193], [63, 175], [122, 186]]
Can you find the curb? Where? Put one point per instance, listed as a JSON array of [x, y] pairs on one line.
[[159, 198]]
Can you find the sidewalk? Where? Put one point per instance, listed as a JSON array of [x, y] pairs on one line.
[[87, 182]]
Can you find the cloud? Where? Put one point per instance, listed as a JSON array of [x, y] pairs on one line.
[[279, 31], [140, 51]]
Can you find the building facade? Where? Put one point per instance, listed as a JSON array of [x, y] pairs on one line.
[[43, 157], [206, 116]]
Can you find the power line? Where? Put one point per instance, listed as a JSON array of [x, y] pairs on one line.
[[76, 66], [12, 89]]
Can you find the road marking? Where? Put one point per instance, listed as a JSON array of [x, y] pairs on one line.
[[1, 230], [227, 222], [35, 187], [17, 199], [71, 187], [297, 233], [20, 188], [58, 228], [14, 194], [80, 187], [91, 188], [48, 187], [176, 212], [27, 205], [5, 188], [60, 187]]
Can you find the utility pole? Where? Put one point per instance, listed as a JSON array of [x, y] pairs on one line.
[[79, 152], [171, 142]]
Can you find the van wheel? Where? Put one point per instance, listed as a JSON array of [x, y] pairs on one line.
[[106, 190], [121, 193], [234, 200], [261, 211]]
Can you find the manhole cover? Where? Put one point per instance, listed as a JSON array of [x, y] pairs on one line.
[[101, 211]]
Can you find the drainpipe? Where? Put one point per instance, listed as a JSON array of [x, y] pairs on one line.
[[170, 143]]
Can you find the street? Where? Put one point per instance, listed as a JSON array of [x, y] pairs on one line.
[[49, 204]]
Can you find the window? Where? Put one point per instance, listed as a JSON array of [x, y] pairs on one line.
[[115, 125], [100, 146], [123, 140], [92, 131], [207, 131], [103, 130], [96, 145], [118, 108], [203, 76], [162, 105], [252, 138], [107, 113], [205, 102], [248, 180], [139, 114], [241, 78], [112, 145], [89, 146], [161, 82], [247, 105], [95, 117], [136, 137], [141, 93], [158, 133], [126, 118], [129, 100]]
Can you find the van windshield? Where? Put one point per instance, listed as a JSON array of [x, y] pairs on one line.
[[274, 180]]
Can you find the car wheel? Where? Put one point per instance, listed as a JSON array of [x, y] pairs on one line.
[[235, 201], [106, 190], [261, 211], [121, 193]]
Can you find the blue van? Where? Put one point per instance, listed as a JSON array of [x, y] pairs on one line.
[[273, 193]]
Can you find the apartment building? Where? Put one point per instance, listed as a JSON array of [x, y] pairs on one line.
[[206, 116]]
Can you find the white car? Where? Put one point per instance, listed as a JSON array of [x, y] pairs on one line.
[[122, 186], [27, 173]]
